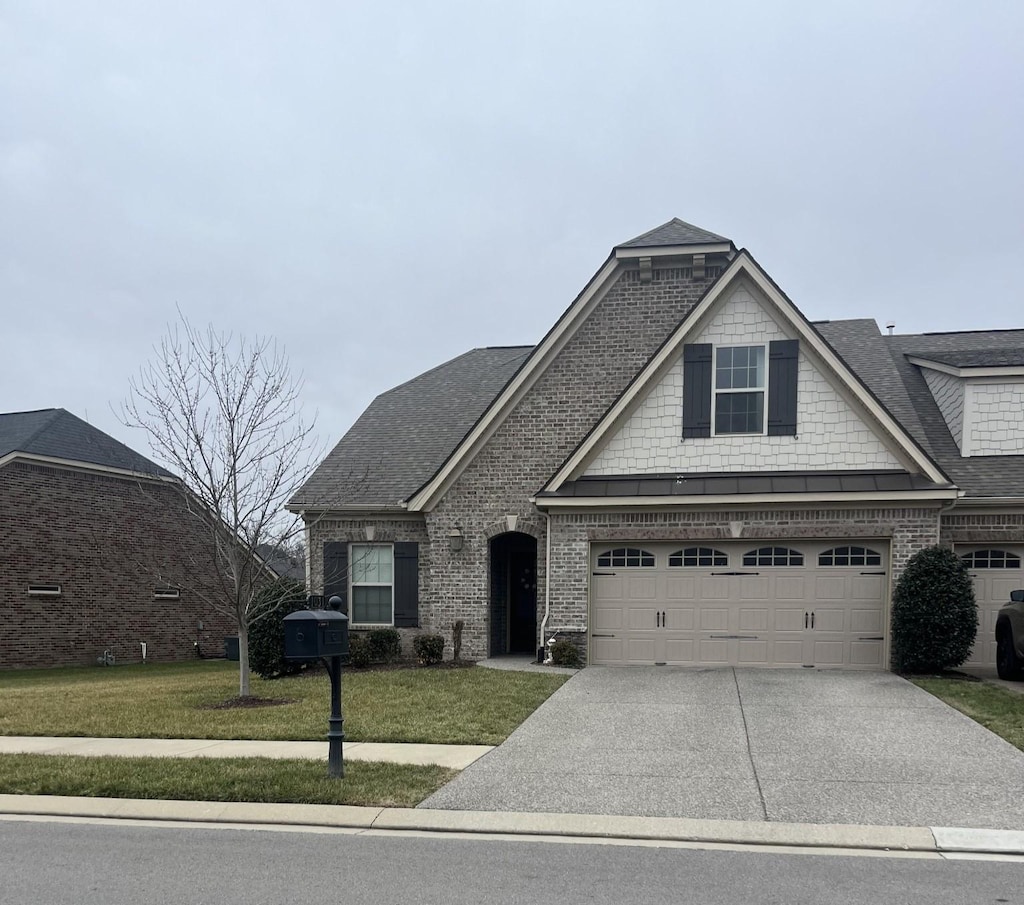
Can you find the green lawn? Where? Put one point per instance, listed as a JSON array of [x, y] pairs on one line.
[[444, 706], [997, 709], [202, 779]]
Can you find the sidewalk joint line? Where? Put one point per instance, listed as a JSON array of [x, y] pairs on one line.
[[750, 752]]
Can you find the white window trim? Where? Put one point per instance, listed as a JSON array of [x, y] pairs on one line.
[[352, 585], [166, 593], [715, 391]]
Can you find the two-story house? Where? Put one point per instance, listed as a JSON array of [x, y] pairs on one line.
[[684, 470]]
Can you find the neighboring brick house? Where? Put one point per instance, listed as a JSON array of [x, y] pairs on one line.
[[684, 470], [98, 551]]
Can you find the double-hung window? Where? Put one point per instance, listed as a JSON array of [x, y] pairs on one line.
[[739, 391], [373, 588]]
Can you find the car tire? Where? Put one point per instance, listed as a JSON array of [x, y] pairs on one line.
[[1007, 664]]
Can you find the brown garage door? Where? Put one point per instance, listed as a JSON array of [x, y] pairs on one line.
[[777, 603]]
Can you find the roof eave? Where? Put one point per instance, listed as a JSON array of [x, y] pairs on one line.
[[662, 251]]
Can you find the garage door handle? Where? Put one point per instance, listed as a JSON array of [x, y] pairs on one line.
[[872, 573], [872, 638], [594, 635], [740, 637], [735, 573], [608, 574]]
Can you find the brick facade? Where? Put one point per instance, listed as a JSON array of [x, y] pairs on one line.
[[103, 539]]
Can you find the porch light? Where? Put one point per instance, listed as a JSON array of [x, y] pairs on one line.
[[455, 540]]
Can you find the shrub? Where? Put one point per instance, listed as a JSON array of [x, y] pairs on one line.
[[429, 649], [564, 653], [934, 615], [358, 652], [385, 645], [266, 635]]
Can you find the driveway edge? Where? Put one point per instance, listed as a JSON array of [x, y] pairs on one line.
[[666, 829]]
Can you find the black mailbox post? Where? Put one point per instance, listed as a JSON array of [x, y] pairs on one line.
[[323, 635]]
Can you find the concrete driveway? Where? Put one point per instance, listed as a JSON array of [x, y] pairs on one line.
[[780, 745]]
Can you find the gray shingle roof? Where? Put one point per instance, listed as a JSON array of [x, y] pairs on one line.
[[407, 433], [881, 362], [980, 476], [976, 358], [58, 434], [675, 232]]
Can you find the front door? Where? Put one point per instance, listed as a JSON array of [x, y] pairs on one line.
[[522, 602]]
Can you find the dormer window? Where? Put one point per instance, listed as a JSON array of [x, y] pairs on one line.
[[740, 382]]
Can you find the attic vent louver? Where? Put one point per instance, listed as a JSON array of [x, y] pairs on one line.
[[44, 590]]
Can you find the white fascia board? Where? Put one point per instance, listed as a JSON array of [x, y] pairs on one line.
[[803, 500], [75, 465], [665, 251], [1003, 371], [743, 263], [540, 358]]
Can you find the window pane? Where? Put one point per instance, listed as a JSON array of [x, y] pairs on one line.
[[371, 564], [739, 368], [371, 604], [739, 413]]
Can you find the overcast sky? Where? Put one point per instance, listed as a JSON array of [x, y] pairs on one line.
[[382, 186]]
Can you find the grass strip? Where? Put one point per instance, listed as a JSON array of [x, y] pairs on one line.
[[995, 708], [444, 706], [228, 779]]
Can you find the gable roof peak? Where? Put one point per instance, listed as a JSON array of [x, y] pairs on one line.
[[674, 232]]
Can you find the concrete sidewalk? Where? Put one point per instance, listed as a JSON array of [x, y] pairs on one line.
[[936, 840], [457, 757]]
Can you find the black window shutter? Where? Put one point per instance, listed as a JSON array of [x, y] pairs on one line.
[[336, 572], [697, 390], [783, 357], [407, 585]]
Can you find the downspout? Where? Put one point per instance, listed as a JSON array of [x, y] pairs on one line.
[[547, 581]]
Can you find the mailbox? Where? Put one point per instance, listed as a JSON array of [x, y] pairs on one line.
[[312, 634]]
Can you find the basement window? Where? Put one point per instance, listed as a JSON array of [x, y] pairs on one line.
[[166, 593], [44, 590]]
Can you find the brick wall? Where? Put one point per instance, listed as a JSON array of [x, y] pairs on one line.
[[103, 539], [982, 528]]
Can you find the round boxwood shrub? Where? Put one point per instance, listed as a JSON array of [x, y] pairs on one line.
[[934, 614], [359, 655], [266, 634], [564, 653], [429, 649]]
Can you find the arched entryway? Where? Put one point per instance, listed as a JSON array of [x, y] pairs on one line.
[[513, 594]]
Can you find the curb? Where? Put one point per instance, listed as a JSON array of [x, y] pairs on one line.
[[665, 829]]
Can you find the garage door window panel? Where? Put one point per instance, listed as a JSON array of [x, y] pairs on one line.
[[773, 556], [992, 559], [626, 558], [698, 557], [850, 556]]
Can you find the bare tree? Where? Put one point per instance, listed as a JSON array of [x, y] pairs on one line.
[[223, 414]]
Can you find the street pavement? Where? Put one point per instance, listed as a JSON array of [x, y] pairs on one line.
[[70, 863], [791, 746]]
